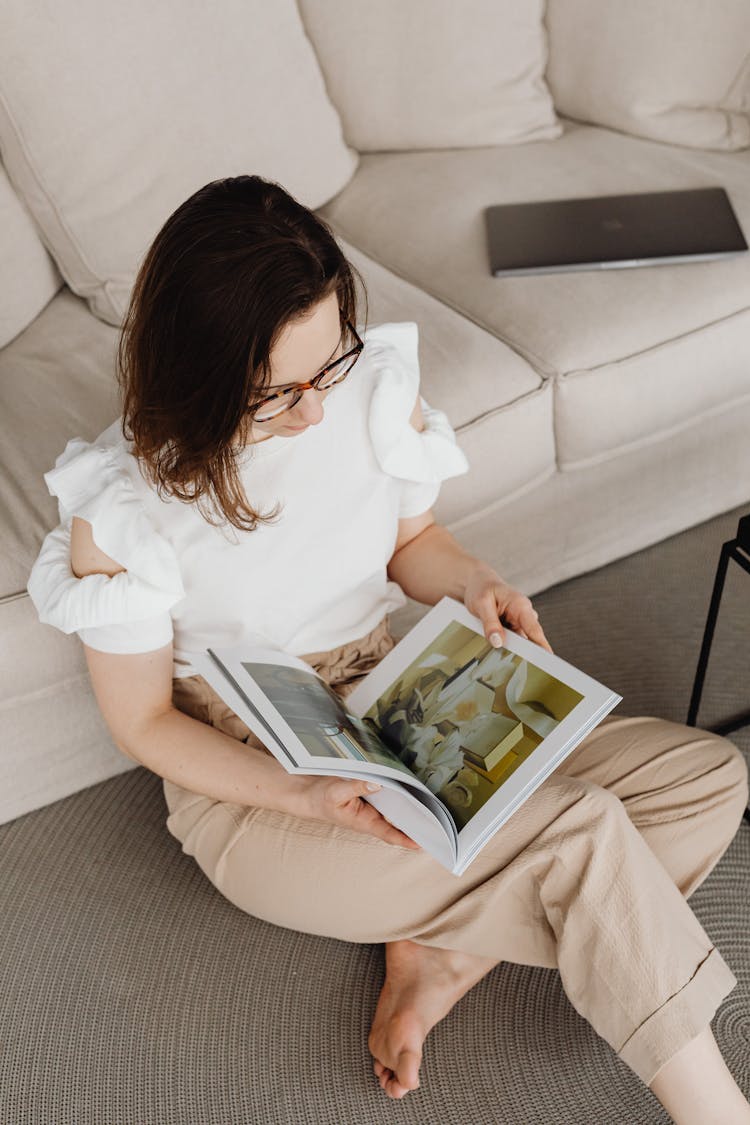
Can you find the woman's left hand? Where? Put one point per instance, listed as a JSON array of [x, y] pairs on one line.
[[490, 598]]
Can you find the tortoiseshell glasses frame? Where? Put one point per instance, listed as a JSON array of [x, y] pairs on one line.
[[332, 374]]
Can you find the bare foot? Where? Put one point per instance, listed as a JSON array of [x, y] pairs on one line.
[[421, 986]]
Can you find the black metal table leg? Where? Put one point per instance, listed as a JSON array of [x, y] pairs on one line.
[[739, 550], [708, 632]]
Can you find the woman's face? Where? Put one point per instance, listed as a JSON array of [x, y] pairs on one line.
[[303, 349]]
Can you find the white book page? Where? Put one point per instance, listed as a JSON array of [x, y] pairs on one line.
[[285, 702], [407, 808]]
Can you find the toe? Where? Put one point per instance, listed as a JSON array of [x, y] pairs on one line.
[[396, 1089], [407, 1070]]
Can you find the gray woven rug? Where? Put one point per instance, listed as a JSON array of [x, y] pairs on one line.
[[132, 993]]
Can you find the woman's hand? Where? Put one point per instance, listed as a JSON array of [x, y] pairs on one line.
[[491, 599], [339, 801]]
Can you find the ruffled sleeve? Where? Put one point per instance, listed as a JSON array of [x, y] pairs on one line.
[[421, 460], [128, 612]]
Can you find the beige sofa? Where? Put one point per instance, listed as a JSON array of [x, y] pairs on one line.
[[599, 412]]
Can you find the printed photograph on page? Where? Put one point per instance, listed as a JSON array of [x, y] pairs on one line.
[[463, 716], [316, 715]]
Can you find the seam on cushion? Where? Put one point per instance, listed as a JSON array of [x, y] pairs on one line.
[[26, 152], [46, 692], [655, 347], [544, 389], [556, 421], [652, 439], [496, 505], [13, 597]]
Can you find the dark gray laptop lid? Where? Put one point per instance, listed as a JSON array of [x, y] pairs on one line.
[[606, 232]]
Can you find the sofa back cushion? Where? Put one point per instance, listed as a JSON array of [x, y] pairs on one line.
[[28, 276], [112, 114], [434, 73], [676, 71]]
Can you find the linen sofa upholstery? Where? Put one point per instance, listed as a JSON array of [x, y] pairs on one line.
[[676, 71], [433, 73], [599, 412], [141, 105], [633, 353], [29, 277]]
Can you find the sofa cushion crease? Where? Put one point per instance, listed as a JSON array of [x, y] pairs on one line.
[[658, 345], [709, 415], [518, 437], [496, 506], [511, 404], [603, 411], [82, 680]]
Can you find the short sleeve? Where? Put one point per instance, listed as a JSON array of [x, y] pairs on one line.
[[421, 460], [129, 612]]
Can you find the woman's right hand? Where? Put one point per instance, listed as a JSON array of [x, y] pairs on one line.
[[340, 801]]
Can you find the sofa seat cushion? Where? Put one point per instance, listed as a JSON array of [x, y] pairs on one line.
[[634, 352], [501, 409], [111, 115]]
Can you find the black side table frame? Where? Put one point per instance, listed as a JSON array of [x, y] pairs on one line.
[[739, 550]]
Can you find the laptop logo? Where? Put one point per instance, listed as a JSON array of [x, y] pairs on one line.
[[613, 224]]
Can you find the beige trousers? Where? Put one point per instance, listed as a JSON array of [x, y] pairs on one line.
[[589, 876]]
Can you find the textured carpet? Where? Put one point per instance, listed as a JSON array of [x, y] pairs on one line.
[[132, 993]]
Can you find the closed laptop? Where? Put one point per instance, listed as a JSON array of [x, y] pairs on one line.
[[612, 232]]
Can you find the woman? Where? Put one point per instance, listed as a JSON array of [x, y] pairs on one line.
[[272, 476]]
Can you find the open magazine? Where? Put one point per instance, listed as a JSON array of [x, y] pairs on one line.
[[458, 733]]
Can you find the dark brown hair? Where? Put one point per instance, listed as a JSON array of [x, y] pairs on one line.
[[230, 268]]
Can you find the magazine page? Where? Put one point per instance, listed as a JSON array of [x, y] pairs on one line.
[[285, 702], [482, 727], [411, 808]]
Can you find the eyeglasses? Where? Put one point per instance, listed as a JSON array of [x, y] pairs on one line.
[[334, 373]]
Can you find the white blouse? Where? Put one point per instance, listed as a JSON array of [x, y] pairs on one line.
[[312, 580]]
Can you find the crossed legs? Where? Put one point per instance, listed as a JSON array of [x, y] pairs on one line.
[[590, 876], [688, 779]]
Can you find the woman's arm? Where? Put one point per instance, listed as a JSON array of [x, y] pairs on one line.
[[134, 693], [429, 564], [134, 696]]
